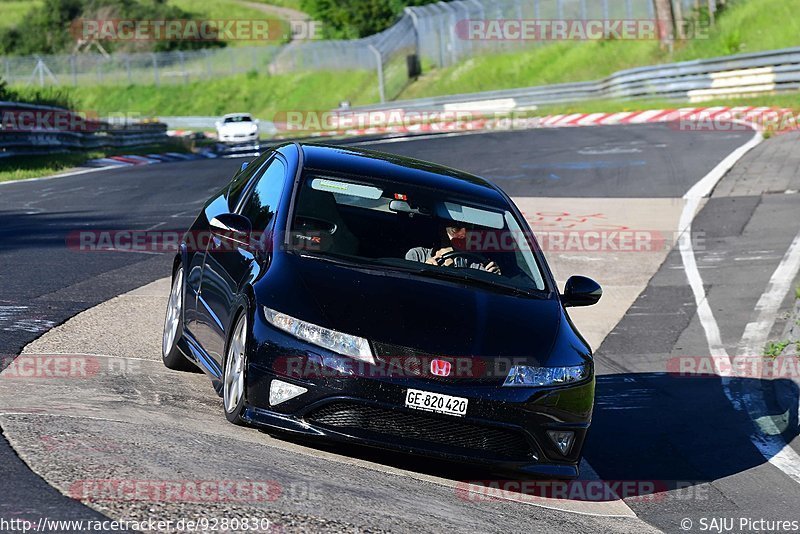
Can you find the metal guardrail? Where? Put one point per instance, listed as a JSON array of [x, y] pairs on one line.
[[52, 129], [694, 81]]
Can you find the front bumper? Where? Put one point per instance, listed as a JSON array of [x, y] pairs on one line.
[[504, 427], [238, 139]]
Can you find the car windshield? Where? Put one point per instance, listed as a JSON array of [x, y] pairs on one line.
[[238, 118], [429, 232]]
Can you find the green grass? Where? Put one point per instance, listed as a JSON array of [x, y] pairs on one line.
[[258, 94], [219, 9], [291, 4], [13, 11], [22, 167], [775, 349], [223, 10], [746, 26]]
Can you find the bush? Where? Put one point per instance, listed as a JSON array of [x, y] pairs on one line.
[[47, 28], [350, 19], [47, 96]]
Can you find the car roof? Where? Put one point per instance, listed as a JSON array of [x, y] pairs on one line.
[[230, 115], [361, 162]]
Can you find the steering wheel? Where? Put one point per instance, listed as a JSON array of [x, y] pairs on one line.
[[312, 224], [471, 257]]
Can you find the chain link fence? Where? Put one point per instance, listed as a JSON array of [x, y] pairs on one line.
[[426, 34]]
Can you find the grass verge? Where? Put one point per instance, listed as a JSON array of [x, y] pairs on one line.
[[743, 27], [22, 167], [259, 94]]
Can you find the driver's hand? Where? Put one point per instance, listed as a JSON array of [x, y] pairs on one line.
[[434, 260], [492, 267]]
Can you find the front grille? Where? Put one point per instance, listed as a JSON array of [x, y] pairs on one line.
[[450, 432], [410, 362]]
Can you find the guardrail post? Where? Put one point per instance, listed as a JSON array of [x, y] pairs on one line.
[[379, 63]]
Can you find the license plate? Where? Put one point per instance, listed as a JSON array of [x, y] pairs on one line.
[[436, 402]]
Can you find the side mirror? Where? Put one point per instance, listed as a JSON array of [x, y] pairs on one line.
[[581, 291], [232, 227], [218, 125], [244, 166]]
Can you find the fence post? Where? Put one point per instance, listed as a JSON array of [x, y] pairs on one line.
[[155, 70], [128, 68], [73, 68], [207, 62], [415, 23], [183, 67], [379, 62]]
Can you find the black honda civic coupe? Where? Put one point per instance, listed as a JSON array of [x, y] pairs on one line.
[[369, 298]]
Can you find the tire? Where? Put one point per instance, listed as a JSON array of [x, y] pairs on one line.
[[233, 374], [173, 328]]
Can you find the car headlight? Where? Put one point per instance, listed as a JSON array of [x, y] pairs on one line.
[[527, 376], [353, 346]]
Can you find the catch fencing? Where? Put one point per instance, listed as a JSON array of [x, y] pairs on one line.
[[426, 35]]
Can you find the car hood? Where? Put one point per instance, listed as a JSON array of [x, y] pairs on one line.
[[436, 317]]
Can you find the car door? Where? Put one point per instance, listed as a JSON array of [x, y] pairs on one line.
[[198, 240], [227, 262]]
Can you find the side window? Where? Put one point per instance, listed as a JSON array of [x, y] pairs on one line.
[[240, 181], [263, 201]]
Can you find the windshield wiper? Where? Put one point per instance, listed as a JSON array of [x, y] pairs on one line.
[[438, 272], [432, 271]]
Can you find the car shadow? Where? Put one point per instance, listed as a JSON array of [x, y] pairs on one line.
[[682, 428], [658, 430]]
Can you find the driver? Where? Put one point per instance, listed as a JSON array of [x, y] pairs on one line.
[[456, 241]]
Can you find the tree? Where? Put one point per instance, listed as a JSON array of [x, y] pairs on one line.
[[665, 22], [351, 19]]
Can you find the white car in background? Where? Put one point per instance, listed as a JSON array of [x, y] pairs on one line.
[[237, 128]]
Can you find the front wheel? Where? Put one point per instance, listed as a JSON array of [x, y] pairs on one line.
[[173, 327], [233, 379]]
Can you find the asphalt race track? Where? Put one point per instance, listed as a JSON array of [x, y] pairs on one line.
[[649, 426]]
